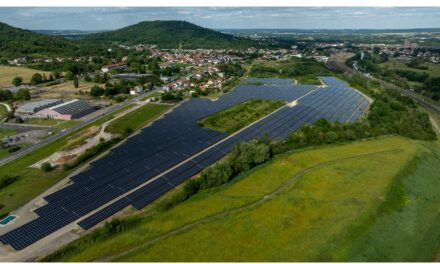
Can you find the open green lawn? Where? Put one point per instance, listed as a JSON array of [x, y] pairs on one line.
[[136, 119], [5, 132], [374, 200], [33, 181], [239, 116], [5, 152]]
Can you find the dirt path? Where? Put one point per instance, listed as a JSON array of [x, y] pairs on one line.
[[250, 205]]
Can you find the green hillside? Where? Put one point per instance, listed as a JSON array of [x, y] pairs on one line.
[[371, 200], [19, 42], [170, 34]]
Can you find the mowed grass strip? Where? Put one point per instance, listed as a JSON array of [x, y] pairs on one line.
[[239, 116], [318, 217], [34, 181], [136, 119], [5, 132]]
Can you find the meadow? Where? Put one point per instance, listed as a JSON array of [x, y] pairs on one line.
[[303, 71], [136, 119], [372, 200], [234, 118], [393, 64], [8, 73]]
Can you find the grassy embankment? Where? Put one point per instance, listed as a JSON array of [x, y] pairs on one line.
[[52, 122], [153, 94], [374, 200], [3, 111], [239, 116], [303, 71], [136, 119], [31, 182], [7, 74]]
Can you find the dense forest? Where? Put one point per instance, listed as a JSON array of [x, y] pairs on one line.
[[19, 42], [170, 34], [15, 42]]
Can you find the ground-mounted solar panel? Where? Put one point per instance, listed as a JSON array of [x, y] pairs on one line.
[[174, 139], [104, 213]]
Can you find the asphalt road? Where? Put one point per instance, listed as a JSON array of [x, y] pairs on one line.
[[64, 132]]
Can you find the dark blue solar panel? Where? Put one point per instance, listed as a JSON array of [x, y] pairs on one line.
[[172, 140]]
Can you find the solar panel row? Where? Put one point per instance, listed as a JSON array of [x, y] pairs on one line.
[[172, 140]]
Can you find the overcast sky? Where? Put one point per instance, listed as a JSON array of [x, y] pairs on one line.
[[100, 18]]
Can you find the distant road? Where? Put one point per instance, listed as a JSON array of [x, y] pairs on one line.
[[64, 132]]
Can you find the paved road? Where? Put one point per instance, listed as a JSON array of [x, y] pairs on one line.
[[50, 139]]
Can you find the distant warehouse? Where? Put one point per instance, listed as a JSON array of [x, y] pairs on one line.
[[32, 108], [67, 111]]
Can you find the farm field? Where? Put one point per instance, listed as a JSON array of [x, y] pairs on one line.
[[315, 206], [239, 116], [7, 73], [33, 181], [136, 119]]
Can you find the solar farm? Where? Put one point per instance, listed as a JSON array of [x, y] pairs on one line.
[[174, 148]]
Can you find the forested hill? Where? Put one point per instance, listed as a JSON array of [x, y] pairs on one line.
[[170, 34], [20, 42]]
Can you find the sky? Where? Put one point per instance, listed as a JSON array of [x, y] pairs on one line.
[[102, 18]]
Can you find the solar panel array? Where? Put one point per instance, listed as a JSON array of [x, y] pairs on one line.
[[178, 148]]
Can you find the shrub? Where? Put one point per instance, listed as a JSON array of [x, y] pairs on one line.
[[91, 152], [14, 149], [46, 166], [7, 180]]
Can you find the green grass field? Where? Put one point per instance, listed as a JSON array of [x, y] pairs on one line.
[[5, 132], [136, 119], [154, 94], [5, 152], [374, 200], [239, 116], [34, 181], [433, 69], [52, 122], [7, 73]]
